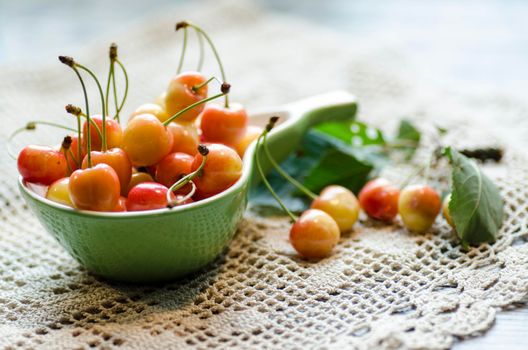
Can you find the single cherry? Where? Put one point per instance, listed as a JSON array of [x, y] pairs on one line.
[[419, 206], [172, 168], [96, 188], [185, 136], [59, 191], [146, 140], [340, 203], [222, 169], [224, 124], [147, 196], [314, 234], [251, 134], [379, 199], [182, 93], [41, 164], [118, 160]]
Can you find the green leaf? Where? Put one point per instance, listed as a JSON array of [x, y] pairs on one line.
[[353, 132], [320, 161], [476, 205], [408, 138]]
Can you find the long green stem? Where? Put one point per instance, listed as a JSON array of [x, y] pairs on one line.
[[265, 181], [126, 87], [116, 103], [103, 139], [281, 171], [217, 56], [168, 121], [110, 75], [184, 48], [189, 177], [201, 45], [88, 119]]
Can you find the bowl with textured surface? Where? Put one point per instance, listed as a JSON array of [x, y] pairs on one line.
[[165, 244]]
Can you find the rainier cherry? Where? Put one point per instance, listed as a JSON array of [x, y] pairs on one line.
[[182, 92], [173, 167], [379, 199], [147, 196], [446, 212], [418, 206], [185, 137], [340, 204], [221, 170], [121, 205], [251, 134], [314, 234], [146, 140], [42, 165], [96, 188], [118, 160], [224, 124], [59, 192]]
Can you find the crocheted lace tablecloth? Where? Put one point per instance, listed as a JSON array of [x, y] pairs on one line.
[[383, 287]]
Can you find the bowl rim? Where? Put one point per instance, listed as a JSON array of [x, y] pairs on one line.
[[247, 165]]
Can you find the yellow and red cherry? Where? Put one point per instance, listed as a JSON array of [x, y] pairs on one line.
[[147, 196], [182, 93], [251, 134], [446, 212], [118, 160], [114, 133], [221, 170], [121, 205], [59, 191], [185, 137], [419, 206], [96, 188], [137, 178], [379, 199], [146, 140], [315, 234], [340, 203], [151, 108], [221, 124], [41, 164], [172, 168]]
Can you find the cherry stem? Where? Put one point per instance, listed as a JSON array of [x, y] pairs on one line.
[[116, 103], [66, 144], [201, 45], [126, 87], [103, 139], [77, 161], [184, 48], [172, 204], [32, 125], [195, 88], [282, 172], [187, 178], [110, 74], [265, 181], [168, 121], [215, 52]]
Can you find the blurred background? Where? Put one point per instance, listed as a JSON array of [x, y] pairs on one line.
[[477, 44]]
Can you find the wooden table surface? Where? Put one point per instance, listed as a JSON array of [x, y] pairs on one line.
[[482, 44]]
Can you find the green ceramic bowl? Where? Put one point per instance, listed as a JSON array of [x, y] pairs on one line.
[[160, 245]]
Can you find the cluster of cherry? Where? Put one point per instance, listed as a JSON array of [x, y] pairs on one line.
[[172, 152]]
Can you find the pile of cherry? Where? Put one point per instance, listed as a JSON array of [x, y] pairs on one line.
[[172, 152], [336, 209], [180, 150]]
